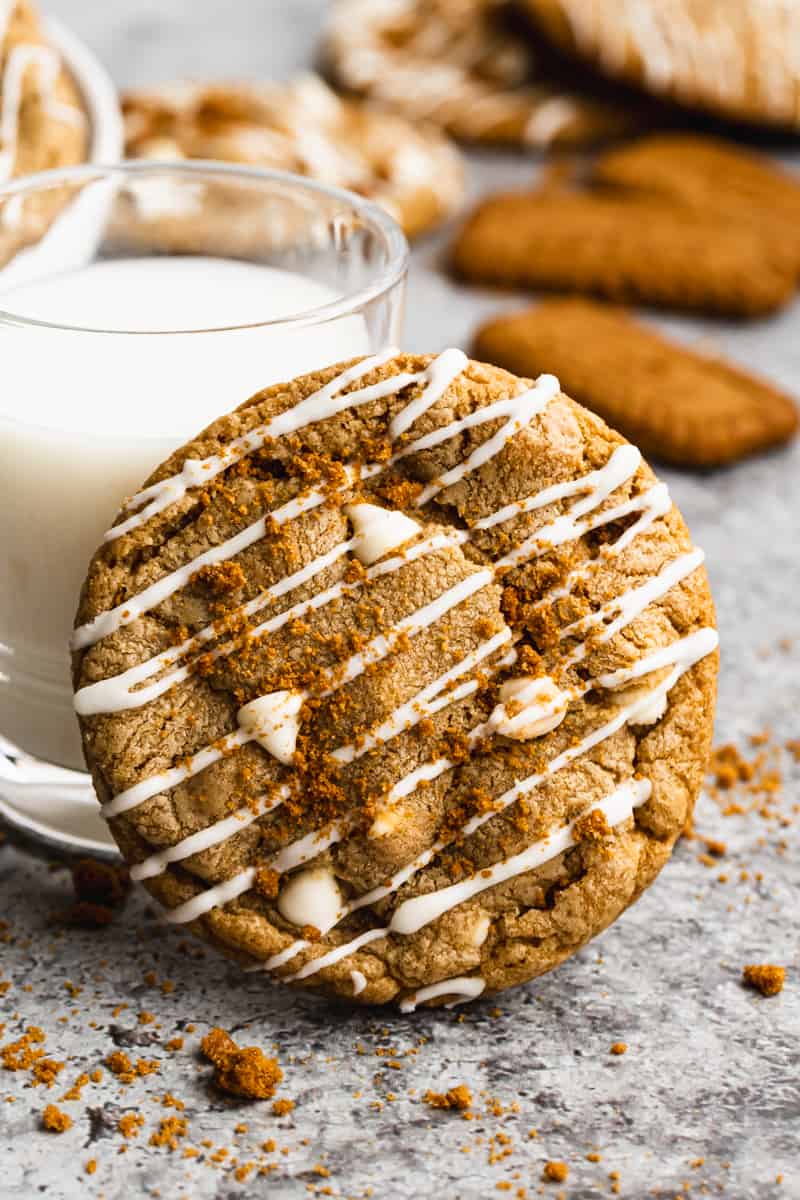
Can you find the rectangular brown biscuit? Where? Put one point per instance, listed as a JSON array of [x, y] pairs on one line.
[[675, 404], [711, 175], [626, 247]]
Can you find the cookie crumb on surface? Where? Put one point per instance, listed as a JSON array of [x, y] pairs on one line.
[[555, 1172], [456, 1097], [619, 1047], [242, 1072], [56, 1121], [765, 978]]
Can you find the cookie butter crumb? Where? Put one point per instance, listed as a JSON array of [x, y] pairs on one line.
[[619, 1047], [591, 827], [459, 1097], [242, 1072], [555, 1172], [56, 1121], [765, 978], [91, 1166], [281, 1107]]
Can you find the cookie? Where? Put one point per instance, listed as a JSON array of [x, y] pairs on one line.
[[677, 405], [732, 58], [42, 121], [711, 175], [628, 246], [304, 127], [465, 66], [397, 682]]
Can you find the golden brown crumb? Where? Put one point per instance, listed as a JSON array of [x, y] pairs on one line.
[[217, 1045], [130, 1124], [459, 1097], [91, 1166], [56, 1121], [765, 978], [619, 1047], [591, 827], [281, 1107], [170, 1129], [243, 1072], [267, 882], [555, 1172]]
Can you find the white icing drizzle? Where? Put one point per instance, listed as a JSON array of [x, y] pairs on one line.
[[462, 987], [630, 604], [326, 402], [424, 704], [121, 692], [419, 911], [443, 371], [211, 836], [334, 956], [132, 797], [359, 982]]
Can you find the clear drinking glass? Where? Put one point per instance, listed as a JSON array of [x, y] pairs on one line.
[[137, 303]]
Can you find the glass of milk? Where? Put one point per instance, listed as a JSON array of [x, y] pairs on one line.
[[137, 304]]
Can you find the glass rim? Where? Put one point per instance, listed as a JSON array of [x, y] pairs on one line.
[[369, 211]]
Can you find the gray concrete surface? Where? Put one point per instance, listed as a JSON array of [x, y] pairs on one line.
[[712, 1071]]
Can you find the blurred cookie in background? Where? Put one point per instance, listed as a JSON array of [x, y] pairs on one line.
[[707, 173], [731, 58], [471, 68], [304, 127], [43, 123], [676, 221], [677, 405]]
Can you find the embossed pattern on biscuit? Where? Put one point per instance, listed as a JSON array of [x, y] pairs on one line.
[[407, 848], [679, 406]]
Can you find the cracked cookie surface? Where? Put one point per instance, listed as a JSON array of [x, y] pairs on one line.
[[398, 681]]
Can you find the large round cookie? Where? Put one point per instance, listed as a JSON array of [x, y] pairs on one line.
[[735, 58], [468, 67], [398, 681], [302, 126], [42, 121]]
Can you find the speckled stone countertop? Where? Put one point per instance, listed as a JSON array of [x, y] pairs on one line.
[[706, 1101]]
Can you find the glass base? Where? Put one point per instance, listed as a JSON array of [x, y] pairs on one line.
[[52, 806]]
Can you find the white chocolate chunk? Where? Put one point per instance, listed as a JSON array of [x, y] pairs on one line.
[[479, 931], [386, 822], [274, 721], [311, 897], [378, 530], [359, 981], [649, 712], [529, 707]]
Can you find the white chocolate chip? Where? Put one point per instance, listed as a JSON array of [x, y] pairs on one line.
[[378, 530], [479, 931], [274, 722], [311, 897], [650, 711], [386, 822], [529, 707]]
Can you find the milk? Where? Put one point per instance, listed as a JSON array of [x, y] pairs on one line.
[[86, 415]]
